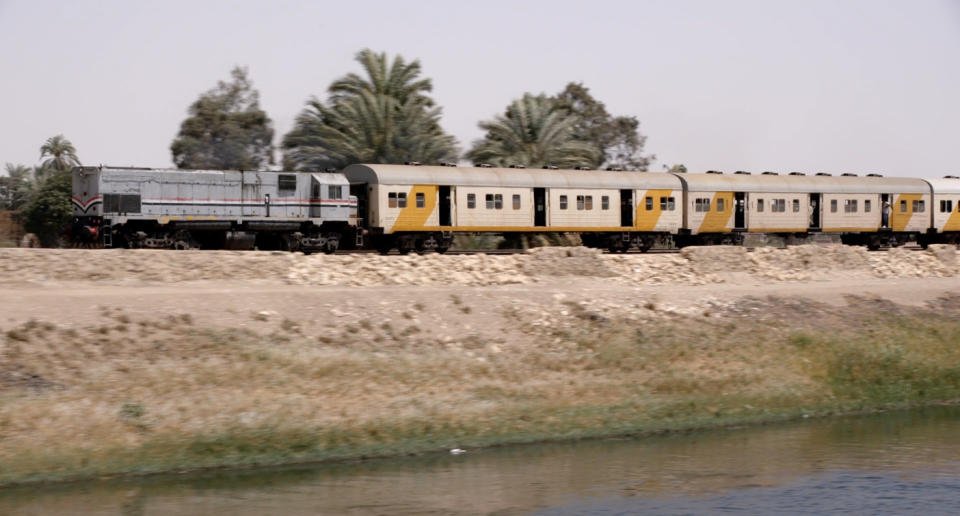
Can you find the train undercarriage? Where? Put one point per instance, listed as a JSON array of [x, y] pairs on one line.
[[263, 235]]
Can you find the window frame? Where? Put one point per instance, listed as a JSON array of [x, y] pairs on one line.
[[563, 202], [471, 201], [605, 202], [421, 200], [284, 188]]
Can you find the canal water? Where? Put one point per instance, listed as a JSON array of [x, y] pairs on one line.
[[889, 463]]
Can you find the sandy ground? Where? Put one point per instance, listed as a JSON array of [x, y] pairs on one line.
[[453, 294]]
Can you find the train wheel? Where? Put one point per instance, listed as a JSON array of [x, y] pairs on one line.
[[441, 250]]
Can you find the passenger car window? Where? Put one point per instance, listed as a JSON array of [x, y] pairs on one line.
[[903, 206], [392, 200], [489, 199], [648, 203], [588, 202], [471, 201], [866, 205], [759, 204], [498, 201], [720, 203], [421, 200], [580, 202], [833, 205], [401, 200], [605, 202], [796, 205], [563, 202], [516, 201]]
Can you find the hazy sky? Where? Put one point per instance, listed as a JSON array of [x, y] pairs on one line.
[[755, 85]]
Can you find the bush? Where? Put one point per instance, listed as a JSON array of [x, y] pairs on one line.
[[49, 212]]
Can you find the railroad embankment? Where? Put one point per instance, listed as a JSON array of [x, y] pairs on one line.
[[140, 361]]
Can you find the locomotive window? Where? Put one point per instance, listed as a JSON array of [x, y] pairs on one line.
[[471, 201], [833, 205], [392, 200], [498, 201], [286, 185], [315, 191], [719, 204], [648, 203], [563, 202], [130, 203], [866, 205], [401, 200], [903, 206], [796, 205], [759, 204], [489, 199], [334, 192], [516, 201], [421, 200], [588, 202], [580, 202], [605, 202]]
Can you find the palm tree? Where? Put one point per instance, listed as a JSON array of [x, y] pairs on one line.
[[399, 80], [383, 118], [533, 132], [62, 154]]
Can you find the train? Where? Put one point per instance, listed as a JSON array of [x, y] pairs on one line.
[[420, 208]]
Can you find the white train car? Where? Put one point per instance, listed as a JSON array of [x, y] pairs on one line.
[[871, 210], [421, 207], [945, 210]]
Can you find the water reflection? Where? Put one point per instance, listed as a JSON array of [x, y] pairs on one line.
[[737, 468]]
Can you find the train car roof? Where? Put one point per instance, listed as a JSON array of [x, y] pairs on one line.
[[321, 177], [518, 177], [802, 184], [945, 185]]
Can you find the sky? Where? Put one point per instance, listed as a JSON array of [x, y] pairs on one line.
[[808, 85]]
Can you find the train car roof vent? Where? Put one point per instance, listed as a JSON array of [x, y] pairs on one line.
[[485, 165], [582, 168], [549, 167], [447, 164], [797, 174], [615, 169], [714, 172], [848, 174], [824, 174], [742, 172], [329, 169], [951, 177], [874, 175], [518, 166], [770, 173], [412, 163]]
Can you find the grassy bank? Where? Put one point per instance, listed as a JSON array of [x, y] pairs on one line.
[[129, 395]]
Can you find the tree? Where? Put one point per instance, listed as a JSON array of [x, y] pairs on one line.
[[617, 140], [534, 131], [386, 117], [49, 211], [17, 187], [60, 156], [226, 129]]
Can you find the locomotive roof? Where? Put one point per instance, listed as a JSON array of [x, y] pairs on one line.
[[522, 177], [801, 184]]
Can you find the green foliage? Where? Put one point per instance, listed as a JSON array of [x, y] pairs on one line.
[[616, 140], [385, 117], [533, 132], [679, 168], [49, 211], [17, 187], [60, 156], [226, 129]]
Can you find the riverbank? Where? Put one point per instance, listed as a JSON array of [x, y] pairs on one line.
[[130, 373]]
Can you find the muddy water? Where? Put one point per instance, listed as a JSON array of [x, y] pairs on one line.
[[901, 462]]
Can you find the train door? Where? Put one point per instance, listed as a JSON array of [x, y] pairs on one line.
[[886, 208], [444, 208], [315, 199], [252, 199], [815, 210], [540, 207], [740, 210], [626, 208]]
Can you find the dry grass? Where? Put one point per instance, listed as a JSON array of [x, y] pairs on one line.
[[130, 394]]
